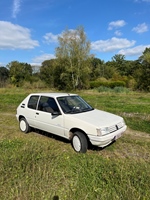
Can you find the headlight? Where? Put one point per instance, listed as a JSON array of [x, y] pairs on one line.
[[102, 131]]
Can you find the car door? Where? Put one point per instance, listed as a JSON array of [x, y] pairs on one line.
[[45, 120], [30, 110]]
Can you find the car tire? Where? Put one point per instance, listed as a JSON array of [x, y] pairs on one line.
[[79, 142], [24, 126]]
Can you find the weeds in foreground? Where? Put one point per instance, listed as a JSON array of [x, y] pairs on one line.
[[37, 169]]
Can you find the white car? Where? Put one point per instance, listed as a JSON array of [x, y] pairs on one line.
[[69, 116]]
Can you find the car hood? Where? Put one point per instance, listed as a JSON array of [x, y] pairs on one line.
[[97, 118]]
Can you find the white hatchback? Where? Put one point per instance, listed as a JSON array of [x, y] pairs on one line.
[[69, 116]]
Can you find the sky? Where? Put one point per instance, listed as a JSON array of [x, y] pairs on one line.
[[29, 29]]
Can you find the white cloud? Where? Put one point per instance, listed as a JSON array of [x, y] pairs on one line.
[[118, 33], [15, 37], [111, 45], [16, 8], [135, 51], [142, 0], [51, 38], [141, 28], [116, 24], [43, 57]]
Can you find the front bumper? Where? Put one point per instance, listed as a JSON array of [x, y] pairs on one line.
[[102, 141]]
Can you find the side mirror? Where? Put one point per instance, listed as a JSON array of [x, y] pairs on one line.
[[56, 113]]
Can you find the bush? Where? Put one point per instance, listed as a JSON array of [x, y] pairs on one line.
[[114, 84], [115, 89], [121, 90], [96, 84], [110, 84], [104, 89]]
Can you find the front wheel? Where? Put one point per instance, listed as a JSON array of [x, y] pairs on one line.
[[24, 126], [79, 142]]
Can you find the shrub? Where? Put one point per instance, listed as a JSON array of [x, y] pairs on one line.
[[104, 89], [121, 90], [110, 84], [114, 84], [115, 89]]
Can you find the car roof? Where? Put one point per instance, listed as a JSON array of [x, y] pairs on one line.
[[54, 94]]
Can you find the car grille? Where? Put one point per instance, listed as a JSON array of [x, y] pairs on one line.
[[119, 125], [112, 128], [115, 127]]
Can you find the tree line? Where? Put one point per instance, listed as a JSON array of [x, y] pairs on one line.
[[75, 68]]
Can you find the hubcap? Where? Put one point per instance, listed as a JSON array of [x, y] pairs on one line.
[[76, 143], [22, 125]]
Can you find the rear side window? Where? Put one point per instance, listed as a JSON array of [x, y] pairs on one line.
[[33, 102]]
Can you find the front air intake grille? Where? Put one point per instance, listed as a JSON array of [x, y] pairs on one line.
[[115, 127]]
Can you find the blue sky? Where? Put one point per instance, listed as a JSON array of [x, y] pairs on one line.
[[29, 28]]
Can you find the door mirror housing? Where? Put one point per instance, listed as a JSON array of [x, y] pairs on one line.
[[56, 113]]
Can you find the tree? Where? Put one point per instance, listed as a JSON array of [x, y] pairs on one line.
[[19, 72], [73, 55], [144, 78], [47, 72], [97, 68], [119, 63], [4, 75]]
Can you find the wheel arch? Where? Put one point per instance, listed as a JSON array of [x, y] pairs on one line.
[[21, 116], [73, 130]]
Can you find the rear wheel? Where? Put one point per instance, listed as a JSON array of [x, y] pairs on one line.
[[24, 126], [79, 142]]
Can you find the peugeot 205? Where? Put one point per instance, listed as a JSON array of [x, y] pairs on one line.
[[71, 117]]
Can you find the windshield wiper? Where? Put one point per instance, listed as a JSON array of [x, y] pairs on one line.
[[87, 109], [74, 111]]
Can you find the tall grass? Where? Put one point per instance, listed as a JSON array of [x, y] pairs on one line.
[[42, 169]]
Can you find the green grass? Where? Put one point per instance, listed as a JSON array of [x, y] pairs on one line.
[[134, 107], [37, 167]]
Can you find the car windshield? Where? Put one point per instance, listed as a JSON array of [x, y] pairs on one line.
[[73, 104]]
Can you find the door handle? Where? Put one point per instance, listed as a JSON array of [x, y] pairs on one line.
[[37, 113]]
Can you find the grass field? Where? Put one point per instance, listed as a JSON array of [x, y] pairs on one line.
[[39, 166]]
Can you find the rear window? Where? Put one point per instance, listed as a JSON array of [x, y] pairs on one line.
[[33, 102]]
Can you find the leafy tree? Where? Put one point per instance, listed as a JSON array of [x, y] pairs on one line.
[[19, 72], [144, 78], [55, 74], [62, 76], [119, 63], [97, 68], [110, 70], [4, 75], [47, 72], [73, 56]]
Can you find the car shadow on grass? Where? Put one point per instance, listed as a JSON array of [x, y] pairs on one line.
[[64, 140], [50, 135]]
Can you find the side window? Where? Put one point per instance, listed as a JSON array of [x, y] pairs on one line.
[[48, 104], [33, 102]]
